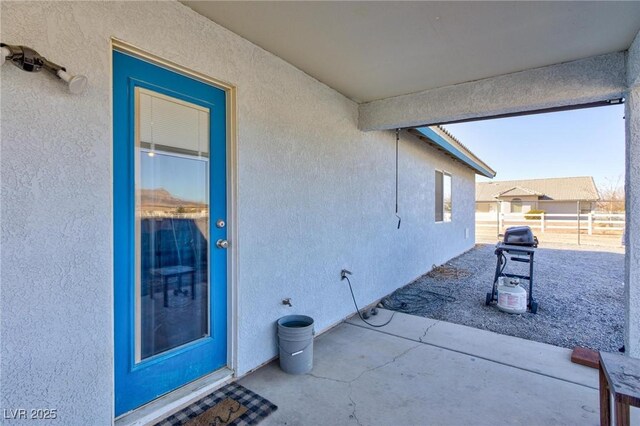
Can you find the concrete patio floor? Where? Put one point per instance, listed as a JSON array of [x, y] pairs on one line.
[[419, 371]]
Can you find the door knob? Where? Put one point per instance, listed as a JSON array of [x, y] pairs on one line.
[[222, 244]]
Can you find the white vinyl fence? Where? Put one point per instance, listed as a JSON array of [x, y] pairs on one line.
[[548, 222]]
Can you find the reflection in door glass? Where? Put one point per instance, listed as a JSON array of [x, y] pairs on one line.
[[172, 223]]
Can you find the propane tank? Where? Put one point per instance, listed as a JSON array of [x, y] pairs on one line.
[[511, 297]]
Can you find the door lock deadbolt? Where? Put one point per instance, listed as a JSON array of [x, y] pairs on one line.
[[220, 223]]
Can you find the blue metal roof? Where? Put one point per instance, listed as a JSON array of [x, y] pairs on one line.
[[455, 151]]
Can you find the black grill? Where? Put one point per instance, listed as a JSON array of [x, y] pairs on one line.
[[519, 243], [520, 236]]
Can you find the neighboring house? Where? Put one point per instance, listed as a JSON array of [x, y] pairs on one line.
[[552, 195]]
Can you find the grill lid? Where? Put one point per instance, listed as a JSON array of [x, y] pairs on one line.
[[520, 236]]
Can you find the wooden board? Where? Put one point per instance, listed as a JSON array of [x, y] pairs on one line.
[[623, 376], [585, 356]]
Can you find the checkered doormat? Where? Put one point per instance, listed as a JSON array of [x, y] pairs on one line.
[[231, 405]]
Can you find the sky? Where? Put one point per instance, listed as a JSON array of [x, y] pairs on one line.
[[584, 142]]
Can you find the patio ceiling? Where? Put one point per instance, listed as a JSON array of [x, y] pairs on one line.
[[376, 50]]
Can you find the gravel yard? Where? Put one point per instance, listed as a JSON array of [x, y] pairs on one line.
[[580, 294]]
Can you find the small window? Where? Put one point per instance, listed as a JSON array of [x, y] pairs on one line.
[[516, 205], [443, 197], [585, 208]]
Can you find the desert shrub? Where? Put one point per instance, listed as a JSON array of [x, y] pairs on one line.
[[534, 214]]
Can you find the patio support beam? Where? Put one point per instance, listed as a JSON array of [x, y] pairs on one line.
[[580, 82], [632, 194]]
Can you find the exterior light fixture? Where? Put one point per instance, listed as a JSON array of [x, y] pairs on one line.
[[29, 60]]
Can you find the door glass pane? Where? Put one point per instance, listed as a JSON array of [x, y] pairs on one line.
[[172, 223]]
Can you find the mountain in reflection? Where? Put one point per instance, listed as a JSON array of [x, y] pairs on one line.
[[160, 202]]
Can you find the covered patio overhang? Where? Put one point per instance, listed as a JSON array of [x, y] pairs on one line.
[[303, 143], [493, 60]]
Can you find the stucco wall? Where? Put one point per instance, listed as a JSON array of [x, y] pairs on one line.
[[632, 199], [315, 195], [561, 207]]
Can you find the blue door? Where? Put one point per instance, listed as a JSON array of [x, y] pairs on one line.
[[169, 201]]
